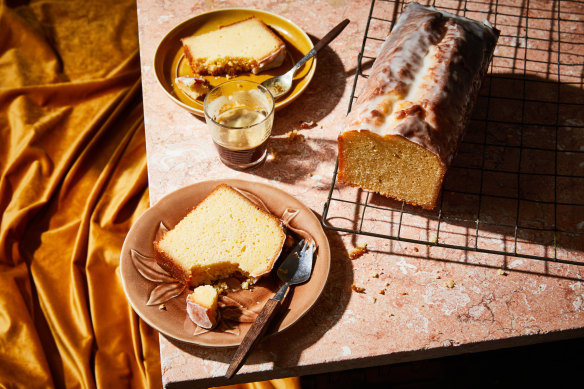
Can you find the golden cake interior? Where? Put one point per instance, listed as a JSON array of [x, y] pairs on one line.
[[409, 172], [247, 45], [224, 235], [206, 296]]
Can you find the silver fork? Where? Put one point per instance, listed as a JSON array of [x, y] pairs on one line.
[[296, 269]]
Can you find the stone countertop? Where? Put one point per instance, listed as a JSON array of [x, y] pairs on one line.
[[436, 301]]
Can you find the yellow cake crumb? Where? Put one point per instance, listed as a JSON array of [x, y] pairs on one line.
[[294, 135], [272, 154], [358, 251], [193, 87], [357, 289], [221, 287], [501, 272], [450, 284], [374, 275], [162, 307]]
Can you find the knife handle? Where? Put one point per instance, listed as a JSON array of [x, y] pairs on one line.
[[331, 35], [254, 333]]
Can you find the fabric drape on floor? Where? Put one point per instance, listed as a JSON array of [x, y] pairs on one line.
[[73, 180]]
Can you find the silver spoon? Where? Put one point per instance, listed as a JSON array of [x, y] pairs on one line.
[[280, 85]]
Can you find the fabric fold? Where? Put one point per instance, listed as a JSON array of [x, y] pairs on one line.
[[73, 180]]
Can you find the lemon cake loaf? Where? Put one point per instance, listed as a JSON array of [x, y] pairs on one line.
[[226, 234], [244, 46], [202, 306], [402, 133]]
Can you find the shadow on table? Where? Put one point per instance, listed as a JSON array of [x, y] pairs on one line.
[[515, 187], [290, 343], [320, 97]]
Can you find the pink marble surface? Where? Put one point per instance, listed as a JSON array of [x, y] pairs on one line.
[[418, 316]]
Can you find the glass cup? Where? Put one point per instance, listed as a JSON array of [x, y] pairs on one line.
[[240, 115]]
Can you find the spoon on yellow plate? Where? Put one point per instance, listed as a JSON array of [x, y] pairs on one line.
[[280, 85]]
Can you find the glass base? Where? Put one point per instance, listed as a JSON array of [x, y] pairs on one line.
[[243, 159], [245, 166]]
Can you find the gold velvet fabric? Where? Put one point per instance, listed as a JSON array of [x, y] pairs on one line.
[[73, 180]]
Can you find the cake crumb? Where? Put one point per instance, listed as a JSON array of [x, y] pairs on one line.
[[358, 289], [221, 287], [374, 275], [404, 293], [294, 135], [450, 284], [382, 291], [434, 239], [245, 284], [372, 299], [307, 125], [358, 251], [501, 272], [272, 154], [438, 276], [391, 315], [416, 249], [162, 307]]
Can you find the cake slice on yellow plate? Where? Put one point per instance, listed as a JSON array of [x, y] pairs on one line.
[[244, 46]]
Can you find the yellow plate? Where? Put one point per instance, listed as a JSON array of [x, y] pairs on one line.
[[169, 60]]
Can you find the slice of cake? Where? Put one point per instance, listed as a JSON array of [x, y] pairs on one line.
[[202, 306], [226, 234], [244, 46]]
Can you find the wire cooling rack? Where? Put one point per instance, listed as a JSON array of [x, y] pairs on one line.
[[516, 186]]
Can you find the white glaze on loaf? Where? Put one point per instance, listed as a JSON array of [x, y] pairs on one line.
[[425, 79], [403, 131]]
